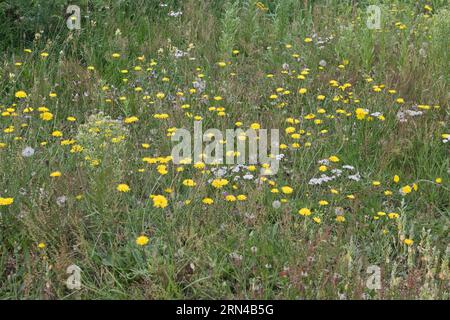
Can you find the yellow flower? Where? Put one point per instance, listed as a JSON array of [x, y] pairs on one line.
[[160, 95], [334, 159], [230, 198], [189, 183], [162, 169], [131, 119], [323, 202], [208, 201], [304, 212], [406, 189], [219, 183], [340, 218], [255, 126], [287, 190], [308, 40], [438, 180], [142, 240], [408, 242], [57, 133], [361, 113], [302, 90], [396, 178], [317, 220], [55, 174], [46, 116], [242, 197], [393, 215], [159, 201], [123, 187], [21, 94], [6, 201], [41, 245], [76, 148], [199, 165]]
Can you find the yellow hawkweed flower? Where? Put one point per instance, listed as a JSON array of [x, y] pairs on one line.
[[41, 245], [208, 201], [408, 242], [159, 201], [55, 174], [304, 212], [21, 94], [287, 190], [6, 201], [123, 187], [142, 240]]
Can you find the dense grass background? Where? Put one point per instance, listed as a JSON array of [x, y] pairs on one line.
[[248, 249]]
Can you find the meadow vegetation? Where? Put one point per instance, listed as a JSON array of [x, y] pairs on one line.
[[86, 177]]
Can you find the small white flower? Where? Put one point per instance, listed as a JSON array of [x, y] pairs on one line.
[[175, 14], [355, 177], [27, 152], [276, 204], [60, 201]]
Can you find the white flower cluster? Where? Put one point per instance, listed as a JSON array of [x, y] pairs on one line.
[[402, 116], [336, 173]]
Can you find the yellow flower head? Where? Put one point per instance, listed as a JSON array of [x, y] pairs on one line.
[[41, 245], [21, 94], [406, 189], [46, 116], [142, 240], [304, 212], [189, 183], [123, 187], [334, 159], [287, 190], [208, 201], [408, 242], [159, 201], [6, 201], [55, 174]]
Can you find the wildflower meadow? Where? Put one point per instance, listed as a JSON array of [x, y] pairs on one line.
[[234, 149]]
